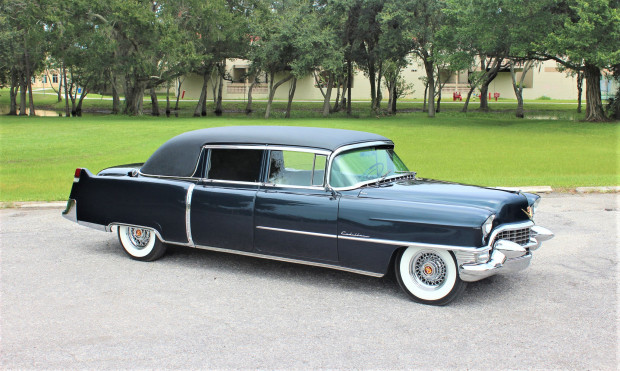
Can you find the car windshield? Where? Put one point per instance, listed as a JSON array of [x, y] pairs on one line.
[[363, 165]]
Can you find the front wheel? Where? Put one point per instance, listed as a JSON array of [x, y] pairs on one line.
[[140, 243], [428, 276]]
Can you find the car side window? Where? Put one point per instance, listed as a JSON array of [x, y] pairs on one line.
[[296, 168], [239, 165]]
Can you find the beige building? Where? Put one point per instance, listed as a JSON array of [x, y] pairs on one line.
[[544, 79]]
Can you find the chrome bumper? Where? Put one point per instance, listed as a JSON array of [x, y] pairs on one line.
[[506, 256], [70, 212]]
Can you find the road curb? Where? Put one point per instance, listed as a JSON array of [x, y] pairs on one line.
[[612, 189], [34, 205]]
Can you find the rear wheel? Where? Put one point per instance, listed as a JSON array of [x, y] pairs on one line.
[[140, 243], [428, 276]]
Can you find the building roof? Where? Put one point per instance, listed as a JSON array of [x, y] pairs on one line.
[[179, 155]]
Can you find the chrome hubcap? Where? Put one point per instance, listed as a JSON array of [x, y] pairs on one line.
[[139, 237], [428, 270]]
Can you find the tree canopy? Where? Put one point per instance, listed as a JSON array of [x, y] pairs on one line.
[[129, 47]]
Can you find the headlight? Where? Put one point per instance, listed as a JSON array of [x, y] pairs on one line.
[[487, 226]]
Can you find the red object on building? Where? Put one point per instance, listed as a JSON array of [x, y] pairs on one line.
[[496, 95], [456, 95], [183, 95]]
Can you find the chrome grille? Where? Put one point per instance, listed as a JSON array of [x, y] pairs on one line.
[[518, 236]]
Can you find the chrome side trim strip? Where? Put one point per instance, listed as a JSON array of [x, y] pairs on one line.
[[418, 244], [380, 241], [207, 181], [193, 179], [267, 146], [297, 232], [109, 229], [188, 209], [290, 260]]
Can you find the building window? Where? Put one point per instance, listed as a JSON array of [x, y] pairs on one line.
[[55, 78]]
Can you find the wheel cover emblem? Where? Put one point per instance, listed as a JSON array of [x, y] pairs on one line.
[[428, 270], [139, 237]]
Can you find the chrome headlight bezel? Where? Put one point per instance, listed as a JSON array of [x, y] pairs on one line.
[[535, 206], [487, 227]]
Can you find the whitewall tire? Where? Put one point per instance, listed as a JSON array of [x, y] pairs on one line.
[[428, 276], [140, 243]]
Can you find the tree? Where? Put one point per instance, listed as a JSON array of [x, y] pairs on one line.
[[588, 32], [24, 48], [422, 21], [150, 47]]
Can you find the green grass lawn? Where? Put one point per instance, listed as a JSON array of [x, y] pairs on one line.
[[38, 155]]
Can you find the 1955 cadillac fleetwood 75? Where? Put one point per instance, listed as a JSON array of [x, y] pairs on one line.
[[326, 197]]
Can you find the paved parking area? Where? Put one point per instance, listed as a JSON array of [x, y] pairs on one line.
[[72, 299]]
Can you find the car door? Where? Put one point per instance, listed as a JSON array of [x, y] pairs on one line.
[[222, 205], [295, 216]]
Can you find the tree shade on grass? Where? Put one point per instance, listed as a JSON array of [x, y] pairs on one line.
[[38, 155]]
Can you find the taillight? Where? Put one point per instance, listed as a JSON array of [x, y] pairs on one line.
[[76, 176]]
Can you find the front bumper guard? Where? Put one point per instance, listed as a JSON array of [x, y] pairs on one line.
[[507, 256]]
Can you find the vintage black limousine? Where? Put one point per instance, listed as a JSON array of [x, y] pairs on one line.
[[326, 197]]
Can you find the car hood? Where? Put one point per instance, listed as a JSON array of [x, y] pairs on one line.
[[506, 205]]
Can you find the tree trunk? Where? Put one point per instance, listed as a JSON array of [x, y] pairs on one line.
[[471, 91], [373, 89], [394, 95], [272, 91], [594, 105], [167, 99], [425, 96], [291, 94], [318, 83], [179, 83], [518, 87], [22, 94], [328, 96], [379, 92], [489, 76], [337, 101], [72, 95], [28, 76], [154, 103], [64, 78], [13, 92], [248, 107], [116, 100], [349, 83], [214, 85], [59, 87], [203, 96], [220, 88], [134, 95], [428, 65], [579, 90], [78, 109], [439, 87]]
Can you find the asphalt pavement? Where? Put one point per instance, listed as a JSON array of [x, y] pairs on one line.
[[72, 299]]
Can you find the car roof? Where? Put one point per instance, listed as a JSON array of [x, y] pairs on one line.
[[179, 155]]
